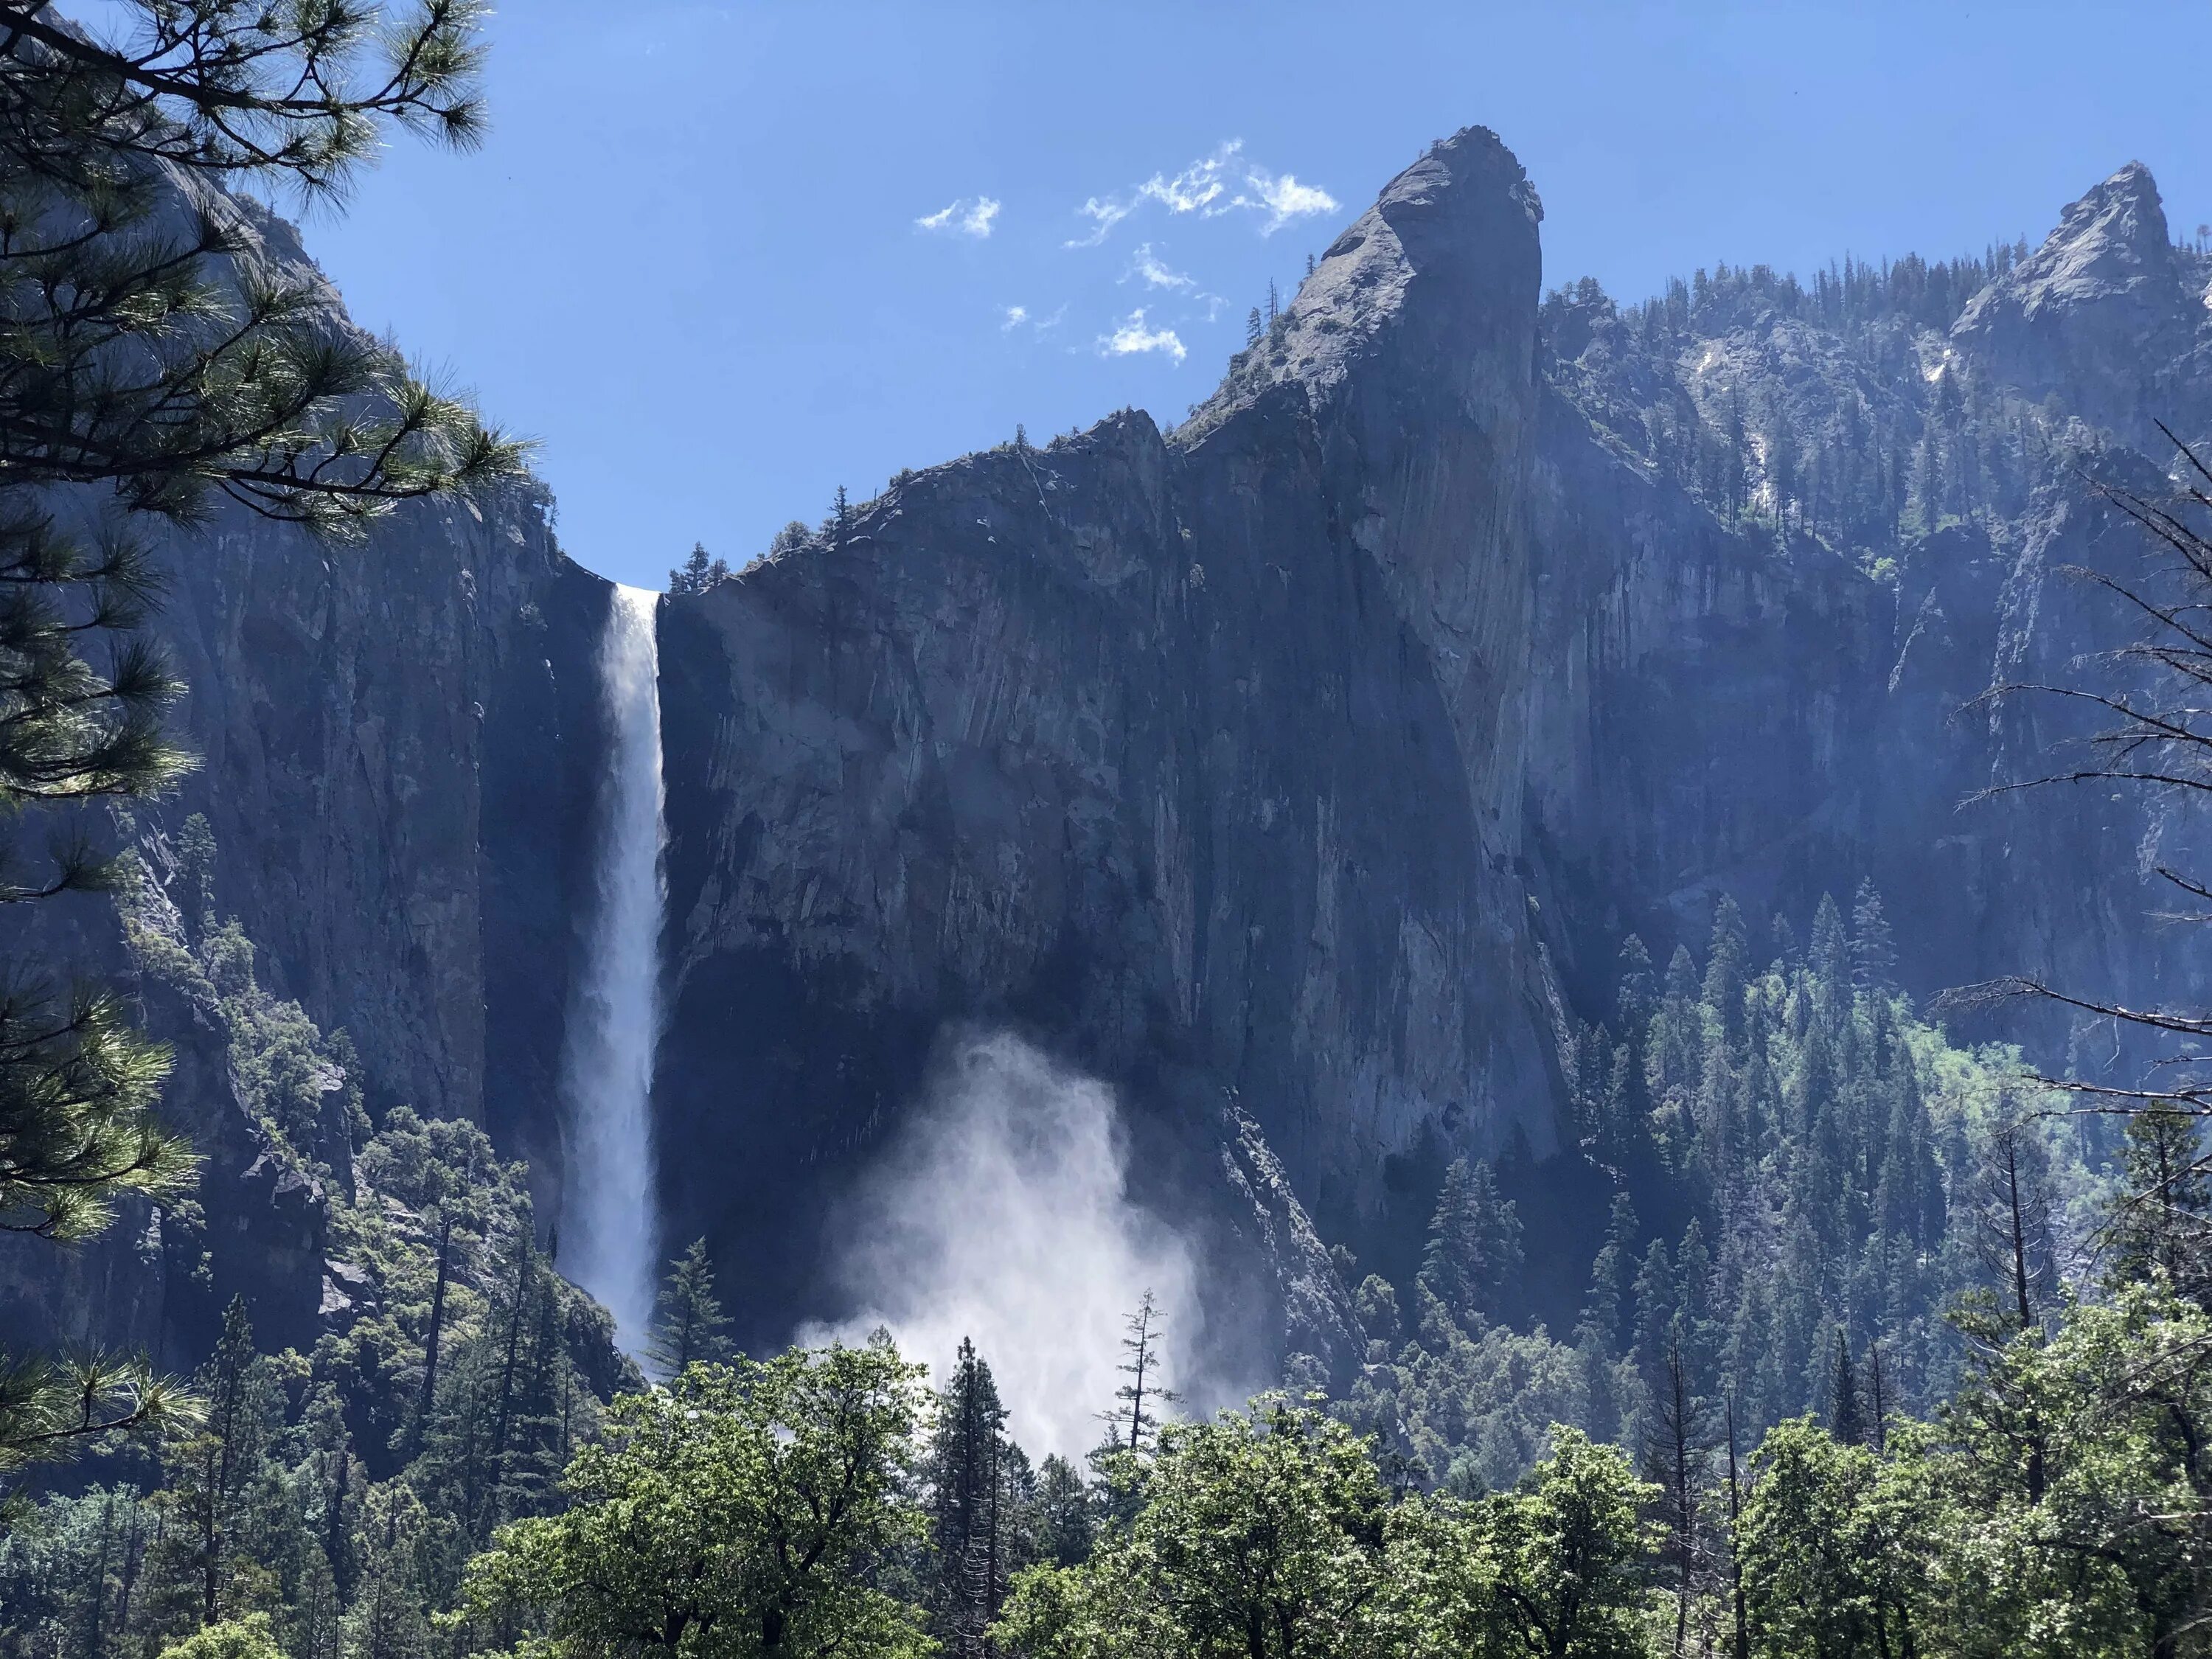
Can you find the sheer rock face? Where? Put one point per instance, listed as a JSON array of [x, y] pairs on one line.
[[395, 739], [1313, 757], [1199, 754]]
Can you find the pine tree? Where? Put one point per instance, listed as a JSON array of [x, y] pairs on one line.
[[1065, 1523], [968, 1463], [1673, 1054], [1675, 1444], [2162, 1223], [1846, 1415], [1639, 992], [698, 574], [1140, 1343], [689, 1326], [1606, 1305], [1830, 957], [1739, 1606], [1874, 961], [1658, 1300], [1727, 965], [145, 366], [213, 1473], [1255, 327], [1474, 1251]]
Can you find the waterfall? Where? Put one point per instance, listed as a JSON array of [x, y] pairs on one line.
[[611, 1232]]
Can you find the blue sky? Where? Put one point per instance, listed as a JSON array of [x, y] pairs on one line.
[[690, 261]]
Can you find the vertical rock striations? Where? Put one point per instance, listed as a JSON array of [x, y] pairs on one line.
[[1198, 753]]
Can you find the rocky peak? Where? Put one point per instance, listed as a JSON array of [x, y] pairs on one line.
[[1443, 265], [2111, 240], [2093, 308]]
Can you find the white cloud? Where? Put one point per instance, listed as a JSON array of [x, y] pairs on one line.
[[1147, 265], [969, 216], [1016, 317], [1284, 199], [1203, 188], [1198, 187], [1103, 215], [1136, 335]]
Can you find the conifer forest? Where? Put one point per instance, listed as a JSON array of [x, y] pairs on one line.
[[1532, 987]]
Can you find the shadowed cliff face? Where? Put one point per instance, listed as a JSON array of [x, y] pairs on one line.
[[398, 744], [1196, 756], [1752, 711], [1317, 754]]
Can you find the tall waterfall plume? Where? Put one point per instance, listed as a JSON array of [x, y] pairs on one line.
[[608, 1209]]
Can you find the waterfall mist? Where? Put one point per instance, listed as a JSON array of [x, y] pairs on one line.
[[1002, 1213], [611, 1232]]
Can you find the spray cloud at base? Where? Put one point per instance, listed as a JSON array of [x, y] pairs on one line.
[[1002, 1214]]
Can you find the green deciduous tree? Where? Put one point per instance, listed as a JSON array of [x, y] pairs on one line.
[[740, 1511], [250, 1638], [1571, 1553], [1829, 1563], [1262, 1535]]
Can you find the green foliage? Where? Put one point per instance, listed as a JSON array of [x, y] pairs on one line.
[[250, 1638], [698, 573], [979, 1481], [1571, 1551], [689, 1326], [735, 1513], [1829, 1567], [1804, 411], [1261, 1535], [78, 1131], [153, 358], [1270, 1534], [1827, 1158], [1474, 1254]]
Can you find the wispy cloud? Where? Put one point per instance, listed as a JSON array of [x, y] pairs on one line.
[[1283, 198], [1019, 317], [1215, 185], [1198, 187], [1103, 217], [969, 216], [1155, 274], [1136, 335]]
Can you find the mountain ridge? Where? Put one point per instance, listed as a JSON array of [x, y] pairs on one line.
[[1296, 769]]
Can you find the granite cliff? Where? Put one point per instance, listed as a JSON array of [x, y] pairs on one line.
[[1298, 769]]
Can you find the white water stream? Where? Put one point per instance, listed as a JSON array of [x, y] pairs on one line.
[[611, 1243]]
